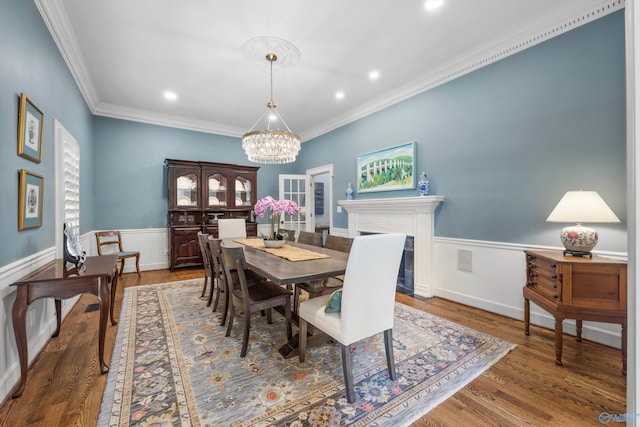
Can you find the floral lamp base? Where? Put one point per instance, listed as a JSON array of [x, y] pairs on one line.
[[578, 240]]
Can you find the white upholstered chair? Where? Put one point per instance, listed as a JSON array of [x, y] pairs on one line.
[[368, 300], [232, 228]]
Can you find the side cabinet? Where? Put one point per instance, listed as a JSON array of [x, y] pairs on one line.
[[201, 193]]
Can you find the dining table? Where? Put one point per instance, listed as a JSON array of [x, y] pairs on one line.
[[282, 271]]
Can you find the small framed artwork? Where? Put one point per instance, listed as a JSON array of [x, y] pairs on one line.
[[389, 169], [30, 200], [30, 125]]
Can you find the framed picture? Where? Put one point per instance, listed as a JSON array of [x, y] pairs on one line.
[[389, 169], [30, 125], [30, 200]]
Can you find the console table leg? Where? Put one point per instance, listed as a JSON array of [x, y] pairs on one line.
[[58, 304], [114, 287], [624, 348], [558, 341], [578, 330], [526, 316], [18, 316], [103, 297]]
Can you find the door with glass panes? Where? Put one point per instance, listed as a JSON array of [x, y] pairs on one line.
[[293, 187]]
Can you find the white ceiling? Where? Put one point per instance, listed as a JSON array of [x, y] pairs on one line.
[[124, 54]]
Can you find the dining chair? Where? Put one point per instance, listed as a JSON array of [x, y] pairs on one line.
[[232, 228], [310, 238], [261, 296], [291, 234], [206, 263], [113, 238], [337, 243], [367, 302], [217, 274]]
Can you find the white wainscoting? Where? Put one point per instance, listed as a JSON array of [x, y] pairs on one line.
[[493, 284]]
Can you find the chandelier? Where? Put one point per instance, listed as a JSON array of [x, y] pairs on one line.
[[275, 144]]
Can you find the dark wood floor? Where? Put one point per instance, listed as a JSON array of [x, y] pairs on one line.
[[64, 387]]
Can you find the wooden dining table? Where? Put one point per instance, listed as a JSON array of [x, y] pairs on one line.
[[283, 272]]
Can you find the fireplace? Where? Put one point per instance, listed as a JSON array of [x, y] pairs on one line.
[[413, 216]]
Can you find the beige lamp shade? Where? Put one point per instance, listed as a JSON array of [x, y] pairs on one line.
[[581, 207]]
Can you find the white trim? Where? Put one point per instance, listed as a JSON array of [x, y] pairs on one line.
[[564, 20]]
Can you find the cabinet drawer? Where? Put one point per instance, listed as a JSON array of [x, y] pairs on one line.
[[542, 275], [181, 231]]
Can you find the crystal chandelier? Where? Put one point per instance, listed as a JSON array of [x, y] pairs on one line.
[[273, 145]]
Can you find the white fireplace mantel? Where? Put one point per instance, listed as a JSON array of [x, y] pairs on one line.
[[413, 216]]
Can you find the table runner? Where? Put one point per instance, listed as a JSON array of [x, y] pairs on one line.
[[291, 253]]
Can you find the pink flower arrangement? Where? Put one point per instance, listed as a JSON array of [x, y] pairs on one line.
[[277, 207]]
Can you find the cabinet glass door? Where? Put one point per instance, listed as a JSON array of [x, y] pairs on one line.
[[243, 192], [216, 196], [187, 190]]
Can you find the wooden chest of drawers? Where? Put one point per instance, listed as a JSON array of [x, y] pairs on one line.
[[576, 288]]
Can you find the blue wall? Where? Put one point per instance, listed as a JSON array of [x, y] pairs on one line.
[[130, 178], [504, 143], [31, 63]]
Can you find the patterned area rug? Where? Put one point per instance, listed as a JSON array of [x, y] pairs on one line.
[[172, 365]]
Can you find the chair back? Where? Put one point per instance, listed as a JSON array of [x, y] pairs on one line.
[[108, 238], [309, 238], [232, 228], [233, 260], [215, 249], [368, 294], [206, 253], [291, 234], [337, 243]]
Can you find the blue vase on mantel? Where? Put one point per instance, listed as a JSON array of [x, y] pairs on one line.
[[349, 192], [423, 184]]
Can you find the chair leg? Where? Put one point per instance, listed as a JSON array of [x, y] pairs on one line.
[[287, 317], [269, 318], [245, 335], [204, 286], [302, 337], [137, 264], [296, 299], [347, 369], [388, 347], [121, 266], [231, 314], [217, 291], [225, 305]]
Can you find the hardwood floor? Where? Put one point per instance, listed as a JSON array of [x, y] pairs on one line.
[[64, 387]]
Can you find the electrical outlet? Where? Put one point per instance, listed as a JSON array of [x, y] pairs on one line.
[[465, 261]]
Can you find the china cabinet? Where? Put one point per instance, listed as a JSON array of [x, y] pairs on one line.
[[200, 193]]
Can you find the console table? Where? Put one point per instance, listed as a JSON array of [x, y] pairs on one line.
[[53, 280], [577, 288]]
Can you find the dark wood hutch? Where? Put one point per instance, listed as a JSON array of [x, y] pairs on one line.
[[200, 193]]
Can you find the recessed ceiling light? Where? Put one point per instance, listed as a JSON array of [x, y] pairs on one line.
[[170, 96], [339, 95], [433, 4], [373, 75]]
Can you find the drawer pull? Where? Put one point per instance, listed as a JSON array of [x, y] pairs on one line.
[[553, 266], [554, 276]]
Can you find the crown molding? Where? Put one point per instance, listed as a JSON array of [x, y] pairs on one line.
[[57, 22], [563, 21], [150, 117]]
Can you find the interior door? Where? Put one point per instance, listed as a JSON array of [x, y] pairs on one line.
[[292, 187]]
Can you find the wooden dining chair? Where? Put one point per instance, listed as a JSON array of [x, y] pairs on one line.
[[291, 234], [310, 238], [337, 243], [112, 238], [261, 296], [203, 239], [366, 305]]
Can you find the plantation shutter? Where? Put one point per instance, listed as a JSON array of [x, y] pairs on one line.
[[71, 162]]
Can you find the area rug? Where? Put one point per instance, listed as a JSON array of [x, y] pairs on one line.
[[173, 366]]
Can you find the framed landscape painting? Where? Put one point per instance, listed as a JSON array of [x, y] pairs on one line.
[[30, 200], [389, 169]]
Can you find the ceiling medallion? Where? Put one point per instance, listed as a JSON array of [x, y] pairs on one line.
[[273, 144]]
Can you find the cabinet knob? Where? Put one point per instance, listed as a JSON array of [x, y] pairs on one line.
[[553, 266], [554, 276], [531, 266]]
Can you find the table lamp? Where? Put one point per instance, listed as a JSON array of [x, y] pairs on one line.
[[581, 207]]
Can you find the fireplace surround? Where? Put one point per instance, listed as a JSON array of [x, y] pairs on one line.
[[413, 216]]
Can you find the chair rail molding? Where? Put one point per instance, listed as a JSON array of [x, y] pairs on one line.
[[413, 216]]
